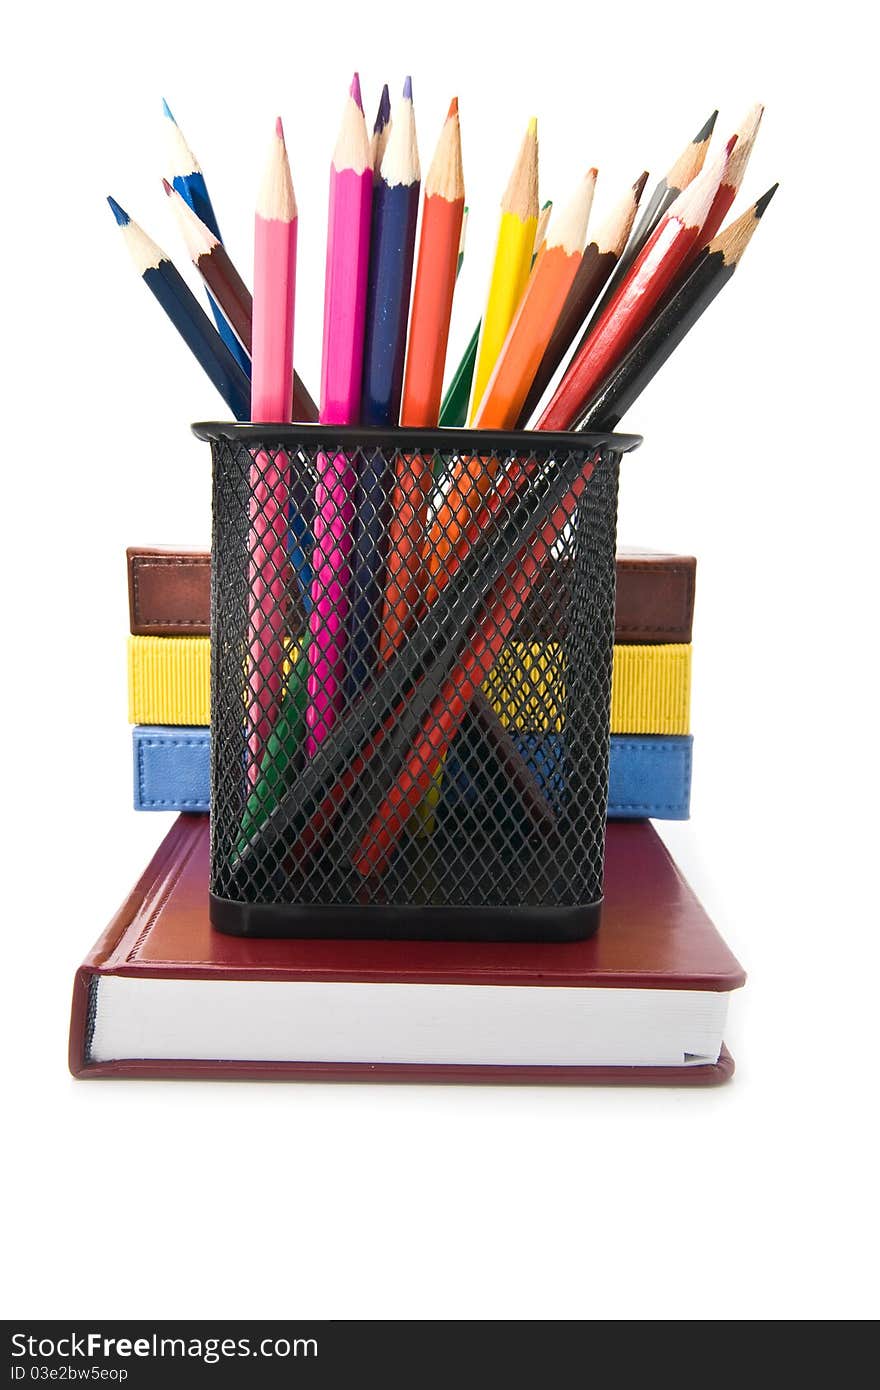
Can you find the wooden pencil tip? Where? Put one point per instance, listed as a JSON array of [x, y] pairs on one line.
[[706, 131], [761, 204], [383, 115], [453, 108], [119, 213], [167, 186], [354, 92], [545, 207], [639, 185], [407, 89], [166, 109], [533, 128], [728, 148], [279, 129]]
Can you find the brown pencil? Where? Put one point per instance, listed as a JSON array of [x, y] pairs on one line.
[[600, 257], [213, 263]]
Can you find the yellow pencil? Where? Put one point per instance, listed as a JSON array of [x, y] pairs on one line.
[[513, 259]]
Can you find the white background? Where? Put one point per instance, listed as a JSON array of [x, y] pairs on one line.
[[754, 1201]]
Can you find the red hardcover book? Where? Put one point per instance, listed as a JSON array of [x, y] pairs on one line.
[[643, 1001]]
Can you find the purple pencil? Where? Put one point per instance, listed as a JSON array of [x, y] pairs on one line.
[[345, 298]]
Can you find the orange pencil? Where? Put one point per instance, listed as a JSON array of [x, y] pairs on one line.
[[431, 312], [538, 313]]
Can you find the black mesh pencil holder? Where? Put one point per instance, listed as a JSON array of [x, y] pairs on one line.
[[411, 648]]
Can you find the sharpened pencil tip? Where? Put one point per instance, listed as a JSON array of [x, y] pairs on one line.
[[639, 185], [167, 110], [167, 186], [119, 213], [453, 108], [407, 89], [730, 144], [279, 129], [549, 202], [354, 92], [761, 204], [533, 127], [383, 115], [706, 131]]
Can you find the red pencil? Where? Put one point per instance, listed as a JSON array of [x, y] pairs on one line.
[[746, 134], [650, 279]]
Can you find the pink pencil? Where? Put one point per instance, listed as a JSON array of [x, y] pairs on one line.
[[275, 225], [345, 297]]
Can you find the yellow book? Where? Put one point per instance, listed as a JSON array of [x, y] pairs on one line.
[[650, 688], [169, 682]]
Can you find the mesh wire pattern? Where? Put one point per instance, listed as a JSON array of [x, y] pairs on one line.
[[412, 639]]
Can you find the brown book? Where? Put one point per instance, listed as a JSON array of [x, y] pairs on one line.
[[169, 594], [642, 1002]]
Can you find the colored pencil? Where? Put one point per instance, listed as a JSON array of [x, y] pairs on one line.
[[507, 538], [439, 250], [541, 229], [345, 299], [187, 315], [715, 266], [683, 172], [381, 131], [392, 244], [651, 278], [746, 135], [539, 309], [209, 256], [187, 178], [713, 269], [211, 260], [453, 409], [513, 260], [598, 261], [275, 236]]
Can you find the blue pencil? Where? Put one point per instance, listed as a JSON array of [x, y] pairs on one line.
[[186, 176], [392, 243], [187, 315]]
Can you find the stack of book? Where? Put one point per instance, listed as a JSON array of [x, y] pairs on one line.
[[643, 1001], [651, 746]]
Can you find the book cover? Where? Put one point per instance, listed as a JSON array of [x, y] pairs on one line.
[[655, 977], [169, 595]]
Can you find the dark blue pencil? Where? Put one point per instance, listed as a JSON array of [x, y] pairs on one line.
[[392, 243], [186, 176], [381, 130], [187, 315]]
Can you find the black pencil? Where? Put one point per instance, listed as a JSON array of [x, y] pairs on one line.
[[714, 267]]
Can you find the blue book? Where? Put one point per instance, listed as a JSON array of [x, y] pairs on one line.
[[650, 776]]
